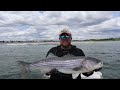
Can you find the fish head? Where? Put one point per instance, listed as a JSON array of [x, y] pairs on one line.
[[88, 64], [92, 63]]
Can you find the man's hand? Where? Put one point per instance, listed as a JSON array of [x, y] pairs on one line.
[[88, 73], [52, 71], [91, 72], [97, 69]]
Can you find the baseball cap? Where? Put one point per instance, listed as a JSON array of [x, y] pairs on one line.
[[65, 31]]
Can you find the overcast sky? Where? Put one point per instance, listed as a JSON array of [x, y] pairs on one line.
[[46, 25]]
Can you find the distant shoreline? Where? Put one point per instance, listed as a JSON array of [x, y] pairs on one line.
[[50, 41]]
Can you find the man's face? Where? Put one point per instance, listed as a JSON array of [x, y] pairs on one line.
[[65, 39]]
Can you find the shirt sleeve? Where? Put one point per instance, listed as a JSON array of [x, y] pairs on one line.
[[52, 51], [80, 52], [49, 52]]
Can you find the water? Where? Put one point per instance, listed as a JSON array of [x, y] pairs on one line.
[[108, 52]]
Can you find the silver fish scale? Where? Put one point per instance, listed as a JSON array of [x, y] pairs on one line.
[[67, 63], [59, 64]]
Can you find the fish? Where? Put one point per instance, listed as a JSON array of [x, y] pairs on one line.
[[67, 64]]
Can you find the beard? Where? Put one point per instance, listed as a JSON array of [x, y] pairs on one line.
[[66, 46]]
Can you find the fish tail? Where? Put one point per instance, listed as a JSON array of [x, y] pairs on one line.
[[25, 70]]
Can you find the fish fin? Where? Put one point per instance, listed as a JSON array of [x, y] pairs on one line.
[[74, 76], [25, 70]]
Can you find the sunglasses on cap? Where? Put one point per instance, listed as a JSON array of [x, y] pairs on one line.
[[65, 37]]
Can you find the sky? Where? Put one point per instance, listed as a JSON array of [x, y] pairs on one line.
[[46, 25]]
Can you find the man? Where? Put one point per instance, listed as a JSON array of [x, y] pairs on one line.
[[65, 48]]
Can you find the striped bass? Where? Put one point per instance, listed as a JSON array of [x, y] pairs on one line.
[[67, 64]]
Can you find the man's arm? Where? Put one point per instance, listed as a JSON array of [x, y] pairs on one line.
[[48, 53], [79, 52], [51, 51]]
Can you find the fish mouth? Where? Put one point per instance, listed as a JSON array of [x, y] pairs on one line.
[[99, 66]]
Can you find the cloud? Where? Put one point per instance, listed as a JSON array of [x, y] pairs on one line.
[[40, 25]]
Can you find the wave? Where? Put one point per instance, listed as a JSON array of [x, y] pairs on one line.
[[17, 44]]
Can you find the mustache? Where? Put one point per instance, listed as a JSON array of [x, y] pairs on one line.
[[65, 39]]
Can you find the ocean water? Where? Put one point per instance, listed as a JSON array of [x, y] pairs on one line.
[[108, 52]]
